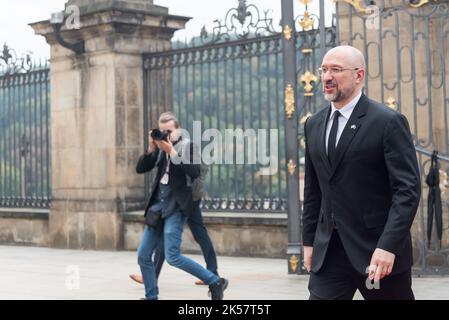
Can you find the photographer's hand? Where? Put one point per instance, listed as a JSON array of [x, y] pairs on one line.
[[151, 144], [166, 146]]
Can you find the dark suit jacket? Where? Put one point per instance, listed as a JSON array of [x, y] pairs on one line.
[[177, 178], [373, 191]]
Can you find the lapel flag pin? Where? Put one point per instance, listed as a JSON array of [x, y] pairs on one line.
[[353, 127]]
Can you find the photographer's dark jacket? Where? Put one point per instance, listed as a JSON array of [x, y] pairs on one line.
[[177, 177]]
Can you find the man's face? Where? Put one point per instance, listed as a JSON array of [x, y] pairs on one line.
[[170, 127], [338, 86]]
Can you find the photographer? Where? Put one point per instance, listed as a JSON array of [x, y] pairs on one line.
[[169, 206]]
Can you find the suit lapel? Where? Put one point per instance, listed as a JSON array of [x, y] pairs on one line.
[[322, 140], [352, 127]]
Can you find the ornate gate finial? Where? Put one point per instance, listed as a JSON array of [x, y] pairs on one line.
[[10, 63], [242, 10]]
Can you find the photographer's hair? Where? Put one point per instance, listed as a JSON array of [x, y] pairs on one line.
[[167, 117]]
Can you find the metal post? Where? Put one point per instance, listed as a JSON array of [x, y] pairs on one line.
[[322, 30], [294, 249]]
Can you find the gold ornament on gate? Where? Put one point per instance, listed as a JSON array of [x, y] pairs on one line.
[[391, 103], [421, 3], [306, 23], [289, 101], [288, 32], [357, 5], [294, 263], [291, 167], [307, 79]]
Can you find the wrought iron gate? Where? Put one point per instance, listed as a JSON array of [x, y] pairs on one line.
[[24, 131]]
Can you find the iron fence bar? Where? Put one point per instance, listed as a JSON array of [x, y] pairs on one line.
[[217, 84], [413, 76], [270, 183], [209, 112], [48, 138], [428, 84], [228, 196], [294, 248], [259, 102], [234, 112], [242, 103], [322, 26], [278, 125], [251, 106], [429, 154], [443, 39], [41, 171]]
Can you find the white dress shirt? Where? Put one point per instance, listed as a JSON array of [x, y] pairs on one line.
[[345, 114]]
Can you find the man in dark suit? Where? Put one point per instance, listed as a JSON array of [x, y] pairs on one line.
[[171, 199], [361, 190]]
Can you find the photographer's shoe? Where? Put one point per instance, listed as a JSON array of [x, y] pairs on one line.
[[217, 289], [136, 278]]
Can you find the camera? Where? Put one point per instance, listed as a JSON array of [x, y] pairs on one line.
[[159, 135]]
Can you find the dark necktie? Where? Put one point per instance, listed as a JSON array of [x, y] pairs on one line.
[[331, 148]]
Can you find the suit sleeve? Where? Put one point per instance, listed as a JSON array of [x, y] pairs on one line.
[[147, 162], [312, 197], [405, 183], [190, 165]]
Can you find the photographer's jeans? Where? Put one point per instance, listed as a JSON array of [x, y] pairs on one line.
[[173, 228], [199, 232]]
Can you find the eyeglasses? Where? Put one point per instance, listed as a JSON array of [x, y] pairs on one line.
[[334, 70]]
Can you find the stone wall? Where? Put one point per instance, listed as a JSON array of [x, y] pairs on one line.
[[233, 234], [25, 227]]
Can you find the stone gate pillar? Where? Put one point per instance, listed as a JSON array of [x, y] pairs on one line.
[[97, 117]]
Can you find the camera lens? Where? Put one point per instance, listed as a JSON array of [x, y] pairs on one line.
[[157, 134]]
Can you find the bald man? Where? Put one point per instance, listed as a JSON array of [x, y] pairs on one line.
[[361, 192]]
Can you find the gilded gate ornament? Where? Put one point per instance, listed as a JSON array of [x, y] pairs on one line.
[[307, 79], [294, 261], [289, 101], [288, 32], [291, 167], [357, 5], [391, 103], [306, 23]]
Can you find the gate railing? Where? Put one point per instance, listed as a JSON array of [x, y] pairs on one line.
[[24, 132], [232, 85]]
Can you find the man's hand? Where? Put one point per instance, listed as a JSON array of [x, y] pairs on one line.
[[308, 258], [381, 264], [166, 146]]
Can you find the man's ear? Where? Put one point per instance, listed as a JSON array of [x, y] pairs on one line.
[[360, 75]]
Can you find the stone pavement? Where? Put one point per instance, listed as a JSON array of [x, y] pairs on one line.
[[42, 273]]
